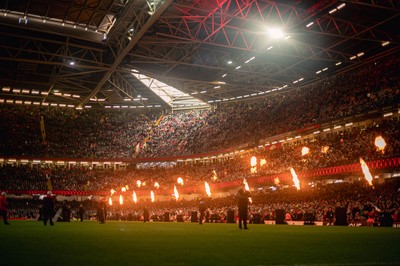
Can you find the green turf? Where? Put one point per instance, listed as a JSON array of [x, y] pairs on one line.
[[134, 243]]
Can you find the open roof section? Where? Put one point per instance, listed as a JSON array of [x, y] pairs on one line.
[[175, 98], [87, 48]]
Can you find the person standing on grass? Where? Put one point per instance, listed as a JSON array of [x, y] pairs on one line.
[[48, 208], [3, 207], [243, 204], [102, 211], [81, 212], [146, 215], [202, 210], [330, 216]]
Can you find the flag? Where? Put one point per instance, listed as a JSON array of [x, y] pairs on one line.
[[42, 129], [137, 148]]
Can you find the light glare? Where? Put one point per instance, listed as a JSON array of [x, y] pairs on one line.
[[275, 33]]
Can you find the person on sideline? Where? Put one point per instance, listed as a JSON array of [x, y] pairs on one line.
[[202, 210], [48, 208], [243, 204], [3, 207]]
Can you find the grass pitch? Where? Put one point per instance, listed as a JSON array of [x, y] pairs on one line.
[[134, 243]]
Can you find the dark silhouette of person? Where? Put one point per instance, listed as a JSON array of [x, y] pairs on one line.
[[66, 211], [48, 208], [243, 203], [330, 216], [81, 212], [202, 210], [102, 211], [146, 216], [3, 207]]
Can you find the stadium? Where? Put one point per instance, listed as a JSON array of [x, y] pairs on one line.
[[148, 131]]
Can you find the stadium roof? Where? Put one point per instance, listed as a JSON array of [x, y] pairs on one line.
[[81, 53]]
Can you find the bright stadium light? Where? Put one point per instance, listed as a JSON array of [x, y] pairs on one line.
[[310, 24], [275, 33], [332, 11]]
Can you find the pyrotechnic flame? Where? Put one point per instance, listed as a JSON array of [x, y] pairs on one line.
[[247, 188], [152, 196], [208, 189], [134, 197], [110, 201], [156, 185], [123, 189], [380, 144], [215, 176], [138, 183], [121, 200], [366, 172], [263, 162], [253, 164], [246, 185], [143, 183], [179, 180], [295, 179], [253, 161], [112, 191], [325, 149], [176, 193], [127, 187], [304, 151], [276, 180]]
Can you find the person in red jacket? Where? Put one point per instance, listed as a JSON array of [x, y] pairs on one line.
[[3, 207]]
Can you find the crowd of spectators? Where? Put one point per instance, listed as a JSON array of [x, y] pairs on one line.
[[22, 177], [369, 88], [325, 150], [128, 133], [171, 135], [334, 149]]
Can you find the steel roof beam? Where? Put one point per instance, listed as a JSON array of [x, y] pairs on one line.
[[142, 23]]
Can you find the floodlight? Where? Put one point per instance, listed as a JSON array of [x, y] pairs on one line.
[[275, 33]]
